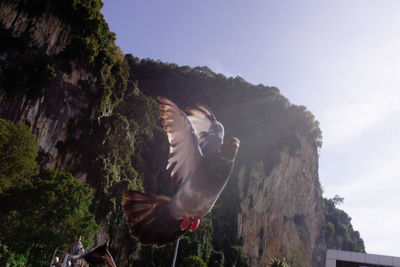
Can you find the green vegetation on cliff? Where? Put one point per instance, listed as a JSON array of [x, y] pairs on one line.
[[264, 121], [278, 263], [339, 233], [39, 210], [18, 152], [123, 146], [128, 150], [259, 116], [91, 46]]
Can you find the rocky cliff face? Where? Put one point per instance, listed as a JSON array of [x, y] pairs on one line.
[[61, 99], [45, 32], [281, 211], [48, 115], [273, 201]]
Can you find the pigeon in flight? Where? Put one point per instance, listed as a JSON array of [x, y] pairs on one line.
[[201, 160]]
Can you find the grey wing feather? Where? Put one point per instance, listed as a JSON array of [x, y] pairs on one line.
[[184, 150], [209, 131]]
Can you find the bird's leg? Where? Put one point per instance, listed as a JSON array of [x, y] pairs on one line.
[[195, 224], [185, 223]]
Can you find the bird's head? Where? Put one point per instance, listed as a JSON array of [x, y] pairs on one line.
[[230, 148]]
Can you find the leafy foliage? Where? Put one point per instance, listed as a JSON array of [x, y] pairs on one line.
[[278, 263], [217, 259], [296, 258], [194, 261], [111, 154], [235, 256], [112, 149], [339, 232], [94, 46], [26, 73], [194, 248], [91, 45], [18, 152], [38, 212], [48, 213], [10, 258]]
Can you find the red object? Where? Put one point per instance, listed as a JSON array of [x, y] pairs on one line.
[[195, 224], [185, 223]]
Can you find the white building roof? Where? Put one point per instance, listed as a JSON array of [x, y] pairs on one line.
[[334, 255]]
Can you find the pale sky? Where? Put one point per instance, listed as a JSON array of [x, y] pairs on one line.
[[341, 59]]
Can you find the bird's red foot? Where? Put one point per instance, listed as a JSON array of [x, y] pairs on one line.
[[195, 224], [185, 223]]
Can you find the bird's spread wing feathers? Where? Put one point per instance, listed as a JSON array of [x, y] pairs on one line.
[[201, 118], [184, 144], [209, 131]]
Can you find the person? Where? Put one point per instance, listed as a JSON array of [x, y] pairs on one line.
[[76, 249]]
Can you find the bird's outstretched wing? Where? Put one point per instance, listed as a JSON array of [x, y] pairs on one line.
[[208, 130], [184, 145]]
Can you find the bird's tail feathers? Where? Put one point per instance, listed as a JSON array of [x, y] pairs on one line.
[[152, 223]]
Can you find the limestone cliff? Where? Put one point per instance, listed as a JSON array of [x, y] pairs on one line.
[[281, 210], [46, 32], [273, 201], [61, 98], [272, 206], [64, 109]]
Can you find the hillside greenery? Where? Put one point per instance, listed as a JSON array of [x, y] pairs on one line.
[[339, 232], [91, 46], [278, 263], [40, 210], [239, 104], [133, 147], [18, 152], [264, 121], [123, 147]]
